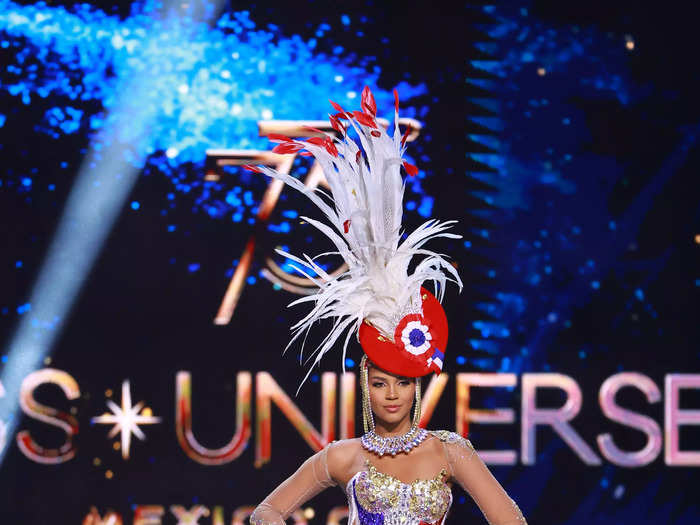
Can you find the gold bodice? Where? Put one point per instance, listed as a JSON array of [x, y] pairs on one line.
[[376, 493]]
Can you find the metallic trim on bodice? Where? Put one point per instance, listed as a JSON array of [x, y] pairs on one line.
[[382, 499]]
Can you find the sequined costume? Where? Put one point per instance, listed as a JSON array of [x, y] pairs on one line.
[[408, 489]]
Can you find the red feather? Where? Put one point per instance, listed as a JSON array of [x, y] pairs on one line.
[[405, 134], [410, 169], [306, 154], [337, 107], [341, 115], [318, 141], [375, 133], [367, 103], [363, 118], [335, 123], [396, 100], [330, 147], [346, 226], [276, 137], [250, 167], [358, 156], [287, 147]]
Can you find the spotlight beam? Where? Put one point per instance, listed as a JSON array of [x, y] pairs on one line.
[[101, 188]]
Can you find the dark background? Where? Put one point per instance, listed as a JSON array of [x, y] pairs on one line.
[[144, 315]]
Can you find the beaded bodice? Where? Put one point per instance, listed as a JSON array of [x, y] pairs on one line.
[[375, 498]]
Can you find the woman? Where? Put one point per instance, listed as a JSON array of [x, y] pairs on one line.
[[396, 473], [395, 487]]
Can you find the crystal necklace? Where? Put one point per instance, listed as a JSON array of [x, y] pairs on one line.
[[393, 445]]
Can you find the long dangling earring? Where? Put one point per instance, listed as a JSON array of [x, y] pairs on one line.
[[417, 407], [367, 416]]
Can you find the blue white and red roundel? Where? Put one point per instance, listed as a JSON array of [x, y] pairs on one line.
[[419, 341], [415, 336]]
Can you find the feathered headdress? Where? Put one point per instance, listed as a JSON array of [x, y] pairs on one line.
[[401, 326]]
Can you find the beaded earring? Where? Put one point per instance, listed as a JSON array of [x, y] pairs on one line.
[[417, 407], [367, 416]]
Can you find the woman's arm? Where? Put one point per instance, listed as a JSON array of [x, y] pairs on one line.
[[310, 479], [467, 469]]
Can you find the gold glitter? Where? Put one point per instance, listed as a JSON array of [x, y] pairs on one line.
[[431, 498], [452, 437], [426, 499], [376, 491]]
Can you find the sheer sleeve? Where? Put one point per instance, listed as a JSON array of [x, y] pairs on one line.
[[467, 469], [310, 479]]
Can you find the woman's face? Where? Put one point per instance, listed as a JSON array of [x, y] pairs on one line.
[[391, 397]]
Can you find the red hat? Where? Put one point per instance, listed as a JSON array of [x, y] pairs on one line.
[[418, 345]]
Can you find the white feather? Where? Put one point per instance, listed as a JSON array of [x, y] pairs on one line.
[[377, 285]]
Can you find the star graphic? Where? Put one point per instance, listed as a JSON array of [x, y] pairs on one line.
[[126, 419]]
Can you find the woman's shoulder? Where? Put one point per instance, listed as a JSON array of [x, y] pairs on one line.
[[344, 458], [343, 447], [452, 438]]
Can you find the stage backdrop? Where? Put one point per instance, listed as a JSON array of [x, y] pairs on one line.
[[143, 308]]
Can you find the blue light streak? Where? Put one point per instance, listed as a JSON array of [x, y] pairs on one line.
[[166, 89], [209, 85]]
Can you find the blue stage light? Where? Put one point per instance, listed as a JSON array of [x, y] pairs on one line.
[[167, 89]]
